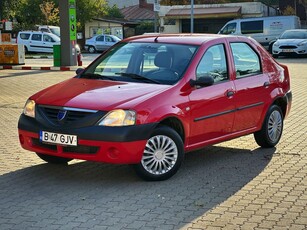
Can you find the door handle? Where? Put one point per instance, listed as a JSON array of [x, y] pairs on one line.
[[230, 93], [266, 84]]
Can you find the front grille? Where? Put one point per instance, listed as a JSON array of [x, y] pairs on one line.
[[288, 47], [80, 149], [38, 143], [64, 116]]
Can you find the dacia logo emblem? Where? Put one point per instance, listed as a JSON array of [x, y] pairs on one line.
[[61, 115]]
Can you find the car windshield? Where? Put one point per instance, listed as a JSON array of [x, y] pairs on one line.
[[294, 35], [56, 31], [155, 63]]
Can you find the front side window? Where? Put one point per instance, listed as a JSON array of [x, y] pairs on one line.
[[36, 37], [252, 27], [247, 62], [229, 29], [47, 38], [143, 62], [213, 63]]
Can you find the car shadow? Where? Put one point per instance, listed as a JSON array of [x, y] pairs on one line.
[[99, 194]]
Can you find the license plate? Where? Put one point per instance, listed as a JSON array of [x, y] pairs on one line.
[[287, 50], [58, 138]]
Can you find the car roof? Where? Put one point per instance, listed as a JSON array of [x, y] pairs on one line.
[[294, 30], [195, 39]]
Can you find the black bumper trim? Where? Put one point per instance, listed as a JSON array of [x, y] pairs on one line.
[[95, 133]]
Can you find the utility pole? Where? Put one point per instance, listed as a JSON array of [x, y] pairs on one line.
[[68, 32], [192, 16]]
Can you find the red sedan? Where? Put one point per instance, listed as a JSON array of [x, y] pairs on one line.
[[149, 99]]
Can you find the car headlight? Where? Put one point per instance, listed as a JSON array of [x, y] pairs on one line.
[[118, 117], [29, 108], [302, 43], [275, 44]]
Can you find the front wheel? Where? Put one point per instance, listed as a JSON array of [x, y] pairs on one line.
[[163, 155], [272, 128], [53, 159]]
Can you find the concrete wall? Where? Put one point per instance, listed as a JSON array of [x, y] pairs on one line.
[[101, 27]]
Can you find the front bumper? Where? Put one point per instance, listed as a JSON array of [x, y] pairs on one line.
[[290, 52], [122, 145]]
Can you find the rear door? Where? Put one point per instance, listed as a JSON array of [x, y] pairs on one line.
[[99, 43], [251, 86]]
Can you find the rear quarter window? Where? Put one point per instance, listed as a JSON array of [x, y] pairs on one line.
[[24, 36]]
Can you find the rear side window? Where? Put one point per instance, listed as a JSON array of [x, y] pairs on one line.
[[252, 27], [36, 37], [100, 38], [247, 62], [24, 36]]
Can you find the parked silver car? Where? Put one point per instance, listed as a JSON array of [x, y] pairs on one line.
[[291, 42], [100, 43]]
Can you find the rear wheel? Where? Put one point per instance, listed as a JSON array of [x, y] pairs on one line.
[[163, 155], [53, 159], [272, 128], [91, 49]]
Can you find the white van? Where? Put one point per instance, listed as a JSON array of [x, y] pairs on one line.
[[37, 41], [265, 30], [50, 29]]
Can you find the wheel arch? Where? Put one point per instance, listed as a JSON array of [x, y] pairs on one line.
[[282, 103], [175, 124]]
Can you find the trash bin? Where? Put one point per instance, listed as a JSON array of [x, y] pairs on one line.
[[57, 55]]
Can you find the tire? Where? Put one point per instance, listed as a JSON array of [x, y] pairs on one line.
[[91, 49], [53, 159], [163, 155], [272, 128], [26, 50]]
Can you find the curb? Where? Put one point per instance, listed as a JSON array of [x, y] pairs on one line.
[[61, 68]]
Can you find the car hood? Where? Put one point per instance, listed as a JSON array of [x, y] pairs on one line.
[[97, 94], [289, 41]]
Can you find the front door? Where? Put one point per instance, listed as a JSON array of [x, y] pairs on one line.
[[212, 107]]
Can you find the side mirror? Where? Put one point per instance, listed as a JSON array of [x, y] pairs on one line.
[[79, 70], [202, 81]]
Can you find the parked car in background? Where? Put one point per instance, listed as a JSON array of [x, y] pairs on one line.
[[265, 30], [100, 43], [149, 99], [291, 42], [50, 29], [37, 41]]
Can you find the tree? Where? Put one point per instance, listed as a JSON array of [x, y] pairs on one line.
[[50, 12], [8, 8]]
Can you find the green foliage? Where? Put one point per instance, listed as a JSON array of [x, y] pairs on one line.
[[29, 13]]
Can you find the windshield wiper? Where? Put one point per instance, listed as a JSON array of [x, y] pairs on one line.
[[95, 76], [139, 77]]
